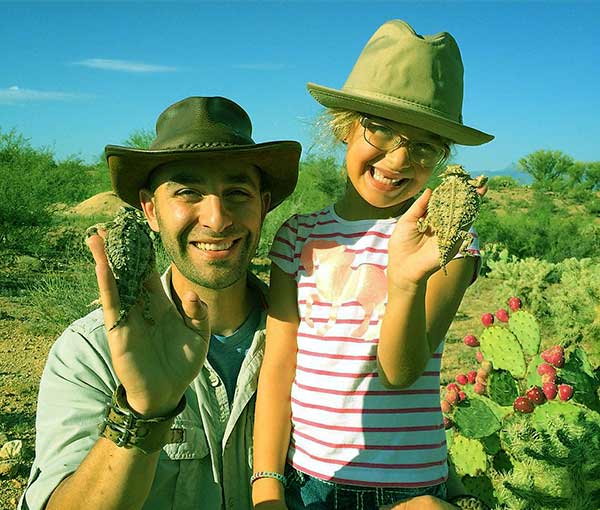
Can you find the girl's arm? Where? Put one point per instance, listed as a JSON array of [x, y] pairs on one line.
[[422, 301], [272, 424]]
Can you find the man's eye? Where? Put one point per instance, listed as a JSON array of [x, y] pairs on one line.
[[238, 194], [186, 193]]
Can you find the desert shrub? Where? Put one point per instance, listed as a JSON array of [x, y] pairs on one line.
[[320, 182], [528, 278], [542, 232], [60, 298], [503, 182], [574, 303]]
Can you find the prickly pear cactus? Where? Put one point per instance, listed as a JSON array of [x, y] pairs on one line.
[[534, 417]]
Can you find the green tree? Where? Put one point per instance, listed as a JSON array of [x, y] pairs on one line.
[[140, 139], [549, 169]]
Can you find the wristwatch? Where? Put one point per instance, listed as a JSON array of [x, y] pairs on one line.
[[128, 429]]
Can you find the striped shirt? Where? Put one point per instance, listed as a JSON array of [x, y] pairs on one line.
[[347, 427]]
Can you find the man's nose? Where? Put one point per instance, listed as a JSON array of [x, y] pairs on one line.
[[214, 213], [398, 159]]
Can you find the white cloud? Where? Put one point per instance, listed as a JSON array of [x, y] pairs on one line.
[[124, 66], [262, 67], [16, 94]]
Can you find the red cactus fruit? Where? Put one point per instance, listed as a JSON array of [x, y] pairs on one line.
[[550, 390], [523, 405], [471, 341], [479, 388], [453, 387], [514, 303], [487, 319], [479, 356], [471, 377], [448, 423], [536, 395], [502, 315], [548, 372], [461, 379], [565, 391], [462, 395], [446, 407], [487, 367], [482, 374], [452, 397], [554, 355]]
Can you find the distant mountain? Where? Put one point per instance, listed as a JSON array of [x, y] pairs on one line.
[[512, 171]]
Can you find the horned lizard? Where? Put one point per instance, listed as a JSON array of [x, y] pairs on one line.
[[452, 208], [130, 253]]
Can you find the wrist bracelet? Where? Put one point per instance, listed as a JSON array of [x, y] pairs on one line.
[[268, 474], [468, 503], [127, 429]]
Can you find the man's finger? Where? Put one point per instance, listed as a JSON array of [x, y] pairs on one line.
[[107, 285], [195, 311]]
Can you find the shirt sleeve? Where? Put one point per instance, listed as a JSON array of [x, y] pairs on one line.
[[283, 249], [472, 251], [77, 383]]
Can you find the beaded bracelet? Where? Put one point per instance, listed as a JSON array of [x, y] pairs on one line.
[[268, 474]]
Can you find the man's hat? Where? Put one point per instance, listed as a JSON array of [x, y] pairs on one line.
[[407, 78], [201, 129]]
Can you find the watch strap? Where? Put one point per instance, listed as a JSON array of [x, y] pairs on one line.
[[128, 429]]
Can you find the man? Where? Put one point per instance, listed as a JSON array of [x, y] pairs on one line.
[[206, 187], [177, 430]]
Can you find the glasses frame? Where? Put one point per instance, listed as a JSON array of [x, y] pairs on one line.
[[403, 141]]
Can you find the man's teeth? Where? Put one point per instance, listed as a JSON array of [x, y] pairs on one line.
[[385, 180], [214, 246]]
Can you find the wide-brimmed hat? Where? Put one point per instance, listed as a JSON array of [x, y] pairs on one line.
[[408, 78], [201, 128]]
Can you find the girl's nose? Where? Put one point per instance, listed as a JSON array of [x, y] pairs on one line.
[[398, 159], [214, 214]]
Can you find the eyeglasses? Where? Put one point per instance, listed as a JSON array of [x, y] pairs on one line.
[[385, 139]]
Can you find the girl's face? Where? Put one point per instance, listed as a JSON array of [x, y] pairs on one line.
[[380, 182]]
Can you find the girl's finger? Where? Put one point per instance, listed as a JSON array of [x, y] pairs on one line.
[[419, 207]]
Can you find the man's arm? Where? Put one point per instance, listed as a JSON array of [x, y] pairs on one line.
[[155, 363]]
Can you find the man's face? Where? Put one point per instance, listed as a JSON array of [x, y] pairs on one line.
[[209, 215]]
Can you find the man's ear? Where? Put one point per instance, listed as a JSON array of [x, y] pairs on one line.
[[149, 207], [266, 202]]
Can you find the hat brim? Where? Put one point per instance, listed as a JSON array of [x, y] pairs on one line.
[[398, 110], [130, 168]]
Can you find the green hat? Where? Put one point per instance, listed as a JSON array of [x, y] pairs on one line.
[[201, 129], [408, 78]]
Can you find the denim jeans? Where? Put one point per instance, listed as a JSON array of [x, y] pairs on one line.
[[304, 492]]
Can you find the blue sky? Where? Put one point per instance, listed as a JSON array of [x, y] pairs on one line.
[[75, 76]]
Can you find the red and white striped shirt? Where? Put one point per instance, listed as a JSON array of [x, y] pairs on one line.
[[346, 426]]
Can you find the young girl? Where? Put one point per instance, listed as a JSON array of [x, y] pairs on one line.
[[358, 308]]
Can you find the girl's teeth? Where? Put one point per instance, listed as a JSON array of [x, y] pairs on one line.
[[385, 180], [214, 246]]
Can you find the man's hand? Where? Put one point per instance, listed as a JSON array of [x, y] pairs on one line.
[[156, 361], [420, 503]]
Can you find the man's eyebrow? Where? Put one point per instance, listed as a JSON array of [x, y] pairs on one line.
[[230, 178]]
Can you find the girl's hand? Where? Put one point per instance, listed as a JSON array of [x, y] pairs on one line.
[[156, 361], [414, 255]]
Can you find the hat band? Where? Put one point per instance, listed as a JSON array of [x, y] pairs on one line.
[[399, 100]]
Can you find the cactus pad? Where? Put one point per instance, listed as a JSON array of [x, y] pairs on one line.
[[527, 330], [468, 456], [501, 347], [502, 388], [475, 419]]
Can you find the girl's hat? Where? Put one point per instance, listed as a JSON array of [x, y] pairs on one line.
[[407, 78], [201, 129]]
